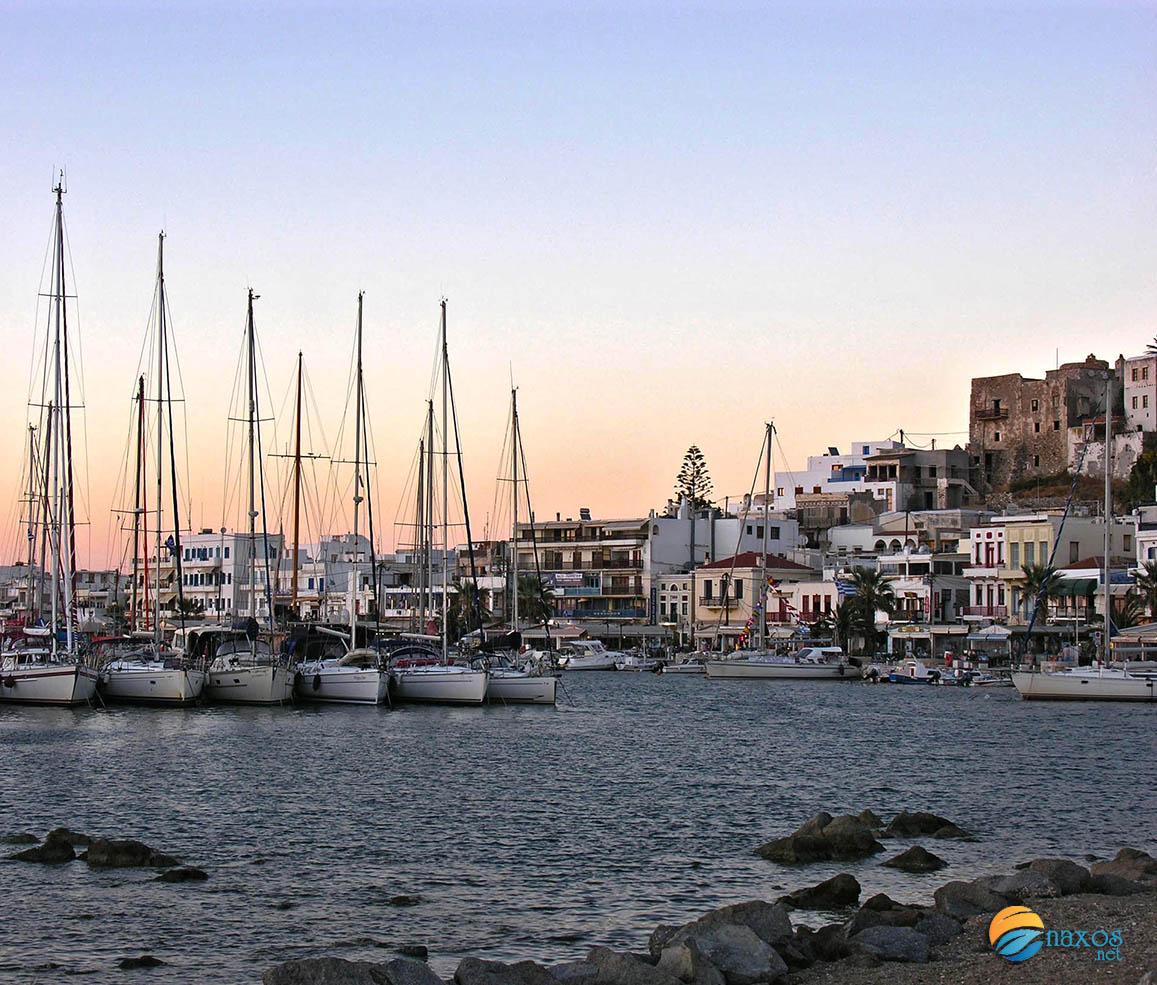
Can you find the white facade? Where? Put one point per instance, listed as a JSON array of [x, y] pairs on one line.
[[835, 473], [1141, 393], [988, 592]]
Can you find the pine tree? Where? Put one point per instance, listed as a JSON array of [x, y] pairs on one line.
[[694, 481]]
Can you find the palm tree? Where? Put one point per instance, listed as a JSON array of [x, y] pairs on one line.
[[873, 594], [1147, 583], [1130, 612], [535, 600], [848, 621], [469, 611], [1040, 585]]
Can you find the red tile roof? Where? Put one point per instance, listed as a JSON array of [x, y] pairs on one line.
[[753, 559]]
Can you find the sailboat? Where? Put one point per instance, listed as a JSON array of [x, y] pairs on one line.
[[810, 663], [515, 678], [1102, 681], [356, 677], [245, 670], [420, 673], [46, 666], [153, 673]]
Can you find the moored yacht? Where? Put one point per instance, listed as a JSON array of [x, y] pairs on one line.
[[1087, 684], [246, 671], [133, 672], [588, 655], [807, 663], [30, 673]]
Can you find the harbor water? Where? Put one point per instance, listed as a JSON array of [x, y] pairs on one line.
[[524, 832]]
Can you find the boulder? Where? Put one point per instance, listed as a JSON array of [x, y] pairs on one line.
[[617, 968], [105, 853], [870, 818], [734, 950], [916, 859], [917, 823], [327, 971], [183, 874], [574, 972], [823, 838], [1108, 884], [893, 944], [897, 916], [1021, 886], [962, 900], [830, 943], [54, 851], [1067, 876], [475, 971], [19, 838], [74, 838], [881, 901], [831, 894], [938, 928], [144, 961], [659, 938], [407, 971], [952, 831], [1128, 864], [770, 922]]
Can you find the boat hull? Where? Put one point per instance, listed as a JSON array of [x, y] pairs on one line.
[[521, 690], [48, 684], [772, 671], [350, 686], [687, 668], [250, 686], [142, 686], [441, 686], [590, 663], [1062, 687]]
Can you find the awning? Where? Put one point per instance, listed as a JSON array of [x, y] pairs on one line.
[[1073, 587]]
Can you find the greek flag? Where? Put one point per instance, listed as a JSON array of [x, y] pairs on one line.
[[845, 588], [171, 545]]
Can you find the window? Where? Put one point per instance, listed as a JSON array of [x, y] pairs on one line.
[[996, 406], [1035, 406], [866, 449], [799, 490], [1144, 372], [931, 471], [1128, 543], [1036, 427], [1145, 400], [707, 590], [226, 552], [1134, 399], [996, 436], [749, 525], [1036, 461], [1134, 374], [662, 608], [738, 589], [1074, 552], [816, 489], [1044, 552], [759, 532], [1029, 553], [684, 608], [779, 492], [1056, 425], [773, 533]]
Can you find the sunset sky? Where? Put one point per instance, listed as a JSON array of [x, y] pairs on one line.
[[670, 221]]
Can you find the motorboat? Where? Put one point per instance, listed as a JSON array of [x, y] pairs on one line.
[[914, 671], [588, 655], [134, 672], [807, 663], [1097, 683], [692, 666], [638, 662], [32, 674]]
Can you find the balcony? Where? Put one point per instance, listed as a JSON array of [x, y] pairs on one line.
[[984, 611], [992, 414], [718, 601]]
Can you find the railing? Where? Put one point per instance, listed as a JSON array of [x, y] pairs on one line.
[[719, 601], [992, 414], [986, 611]]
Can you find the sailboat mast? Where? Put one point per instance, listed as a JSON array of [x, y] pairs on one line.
[[45, 506], [137, 498], [429, 512], [420, 533], [357, 479], [297, 485], [32, 499], [514, 510], [160, 428], [69, 525], [445, 487], [1108, 515], [763, 591], [252, 387]]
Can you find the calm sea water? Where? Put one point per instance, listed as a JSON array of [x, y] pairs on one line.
[[524, 832]]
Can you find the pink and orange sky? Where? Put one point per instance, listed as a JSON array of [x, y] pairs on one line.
[[671, 222]]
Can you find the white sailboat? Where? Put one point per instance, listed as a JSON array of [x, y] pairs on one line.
[[424, 677], [588, 655], [519, 679], [152, 673], [358, 676], [245, 670], [47, 667], [1102, 682]]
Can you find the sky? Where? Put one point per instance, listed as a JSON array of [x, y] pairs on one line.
[[667, 222]]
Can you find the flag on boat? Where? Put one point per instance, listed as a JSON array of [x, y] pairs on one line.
[[171, 545]]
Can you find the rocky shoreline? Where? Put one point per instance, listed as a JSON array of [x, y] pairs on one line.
[[878, 941]]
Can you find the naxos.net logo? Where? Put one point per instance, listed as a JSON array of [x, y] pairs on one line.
[[1016, 933]]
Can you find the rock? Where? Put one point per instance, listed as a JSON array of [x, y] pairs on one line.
[[475, 971], [881, 901], [419, 951], [183, 874], [105, 853], [1067, 876], [1128, 864], [74, 838], [144, 961], [962, 900], [616, 968], [913, 825], [829, 943], [327, 971], [1108, 884], [1021, 886], [893, 944], [870, 818], [52, 852], [938, 928], [574, 972], [952, 831], [822, 838], [897, 916], [19, 838], [770, 922], [404, 900], [735, 951], [407, 971], [838, 891], [795, 957], [659, 938], [916, 859]]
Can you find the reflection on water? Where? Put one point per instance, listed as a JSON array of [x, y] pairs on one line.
[[524, 832]]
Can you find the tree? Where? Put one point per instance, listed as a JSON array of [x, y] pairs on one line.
[[1128, 613], [873, 594], [693, 482], [469, 610], [1139, 487], [1040, 585], [190, 607], [535, 600], [1147, 584]]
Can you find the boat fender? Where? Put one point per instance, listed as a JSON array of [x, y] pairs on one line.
[[840, 670], [9, 681], [317, 682], [298, 679]]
